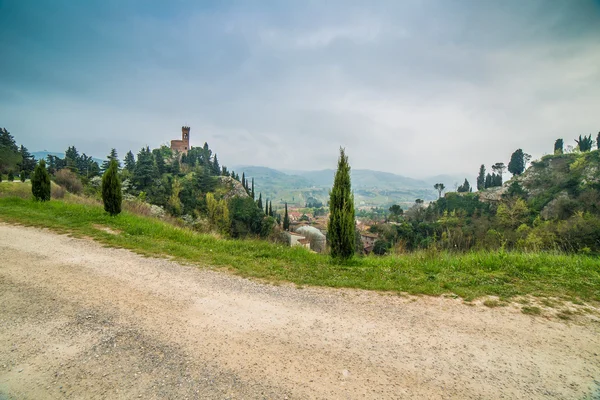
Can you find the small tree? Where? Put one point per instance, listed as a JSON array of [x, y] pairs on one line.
[[341, 227], [440, 188], [11, 176], [465, 187], [516, 166], [286, 220], [40, 182], [499, 169], [23, 176], [559, 146], [111, 189]]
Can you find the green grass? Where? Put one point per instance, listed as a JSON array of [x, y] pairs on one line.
[[531, 310], [469, 275]]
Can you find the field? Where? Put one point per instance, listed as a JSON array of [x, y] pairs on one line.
[[469, 275]]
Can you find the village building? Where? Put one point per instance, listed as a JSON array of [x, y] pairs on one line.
[[368, 241], [298, 240], [183, 145]]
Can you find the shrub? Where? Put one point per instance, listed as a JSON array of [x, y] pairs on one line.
[[23, 176], [11, 176], [69, 181], [40, 182], [58, 192], [111, 189]]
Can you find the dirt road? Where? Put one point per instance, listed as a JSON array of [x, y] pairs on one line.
[[81, 321]]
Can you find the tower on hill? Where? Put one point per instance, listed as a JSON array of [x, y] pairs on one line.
[[182, 145]]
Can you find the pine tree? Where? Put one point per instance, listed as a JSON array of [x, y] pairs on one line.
[[112, 156], [286, 220], [129, 161], [111, 189], [516, 166], [558, 146], [159, 160], [465, 187], [145, 171], [341, 228], [481, 178], [27, 160], [40, 182]]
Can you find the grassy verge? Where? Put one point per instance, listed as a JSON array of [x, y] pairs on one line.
[[468, 275]]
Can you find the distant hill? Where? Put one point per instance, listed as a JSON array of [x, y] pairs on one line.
[[371, 188], [39, 155]]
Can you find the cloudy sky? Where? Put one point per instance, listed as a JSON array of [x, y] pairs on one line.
[[412, 87]]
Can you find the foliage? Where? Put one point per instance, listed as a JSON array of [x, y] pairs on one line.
[[286, 219], [111, 189], [40, 182], [340, 230], [218, 213], [11, 176]]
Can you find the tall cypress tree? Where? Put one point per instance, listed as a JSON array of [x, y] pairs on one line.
[[267, 207], [271, 208], [253, 187], [111, 189], [341, 228], [260, 201], [598, 141], [244, 183], [481, 178], [286, 220], [216, 168], [40, 182]]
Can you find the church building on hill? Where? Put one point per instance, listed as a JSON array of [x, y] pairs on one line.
[[183, 145]]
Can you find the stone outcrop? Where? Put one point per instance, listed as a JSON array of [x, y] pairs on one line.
[[234, 188]]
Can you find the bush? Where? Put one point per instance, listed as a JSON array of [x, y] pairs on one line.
[[11, 176], [58, 192], [40, 182], [69, 181], [23, 176]]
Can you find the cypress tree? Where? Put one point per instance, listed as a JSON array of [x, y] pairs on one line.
[[558, 146], [23, 176], [252, 187], [286, 220], [11, 176], [244, 183], [0, 176], [260, 201], [216, 168], [598, 141], [267, 207], [481, 178], [341, 228], [270, 208], [40, 182], [111, 189]]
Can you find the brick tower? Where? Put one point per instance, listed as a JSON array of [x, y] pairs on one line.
[[182, 145]]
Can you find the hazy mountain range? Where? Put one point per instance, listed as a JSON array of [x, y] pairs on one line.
[[371, 188]]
